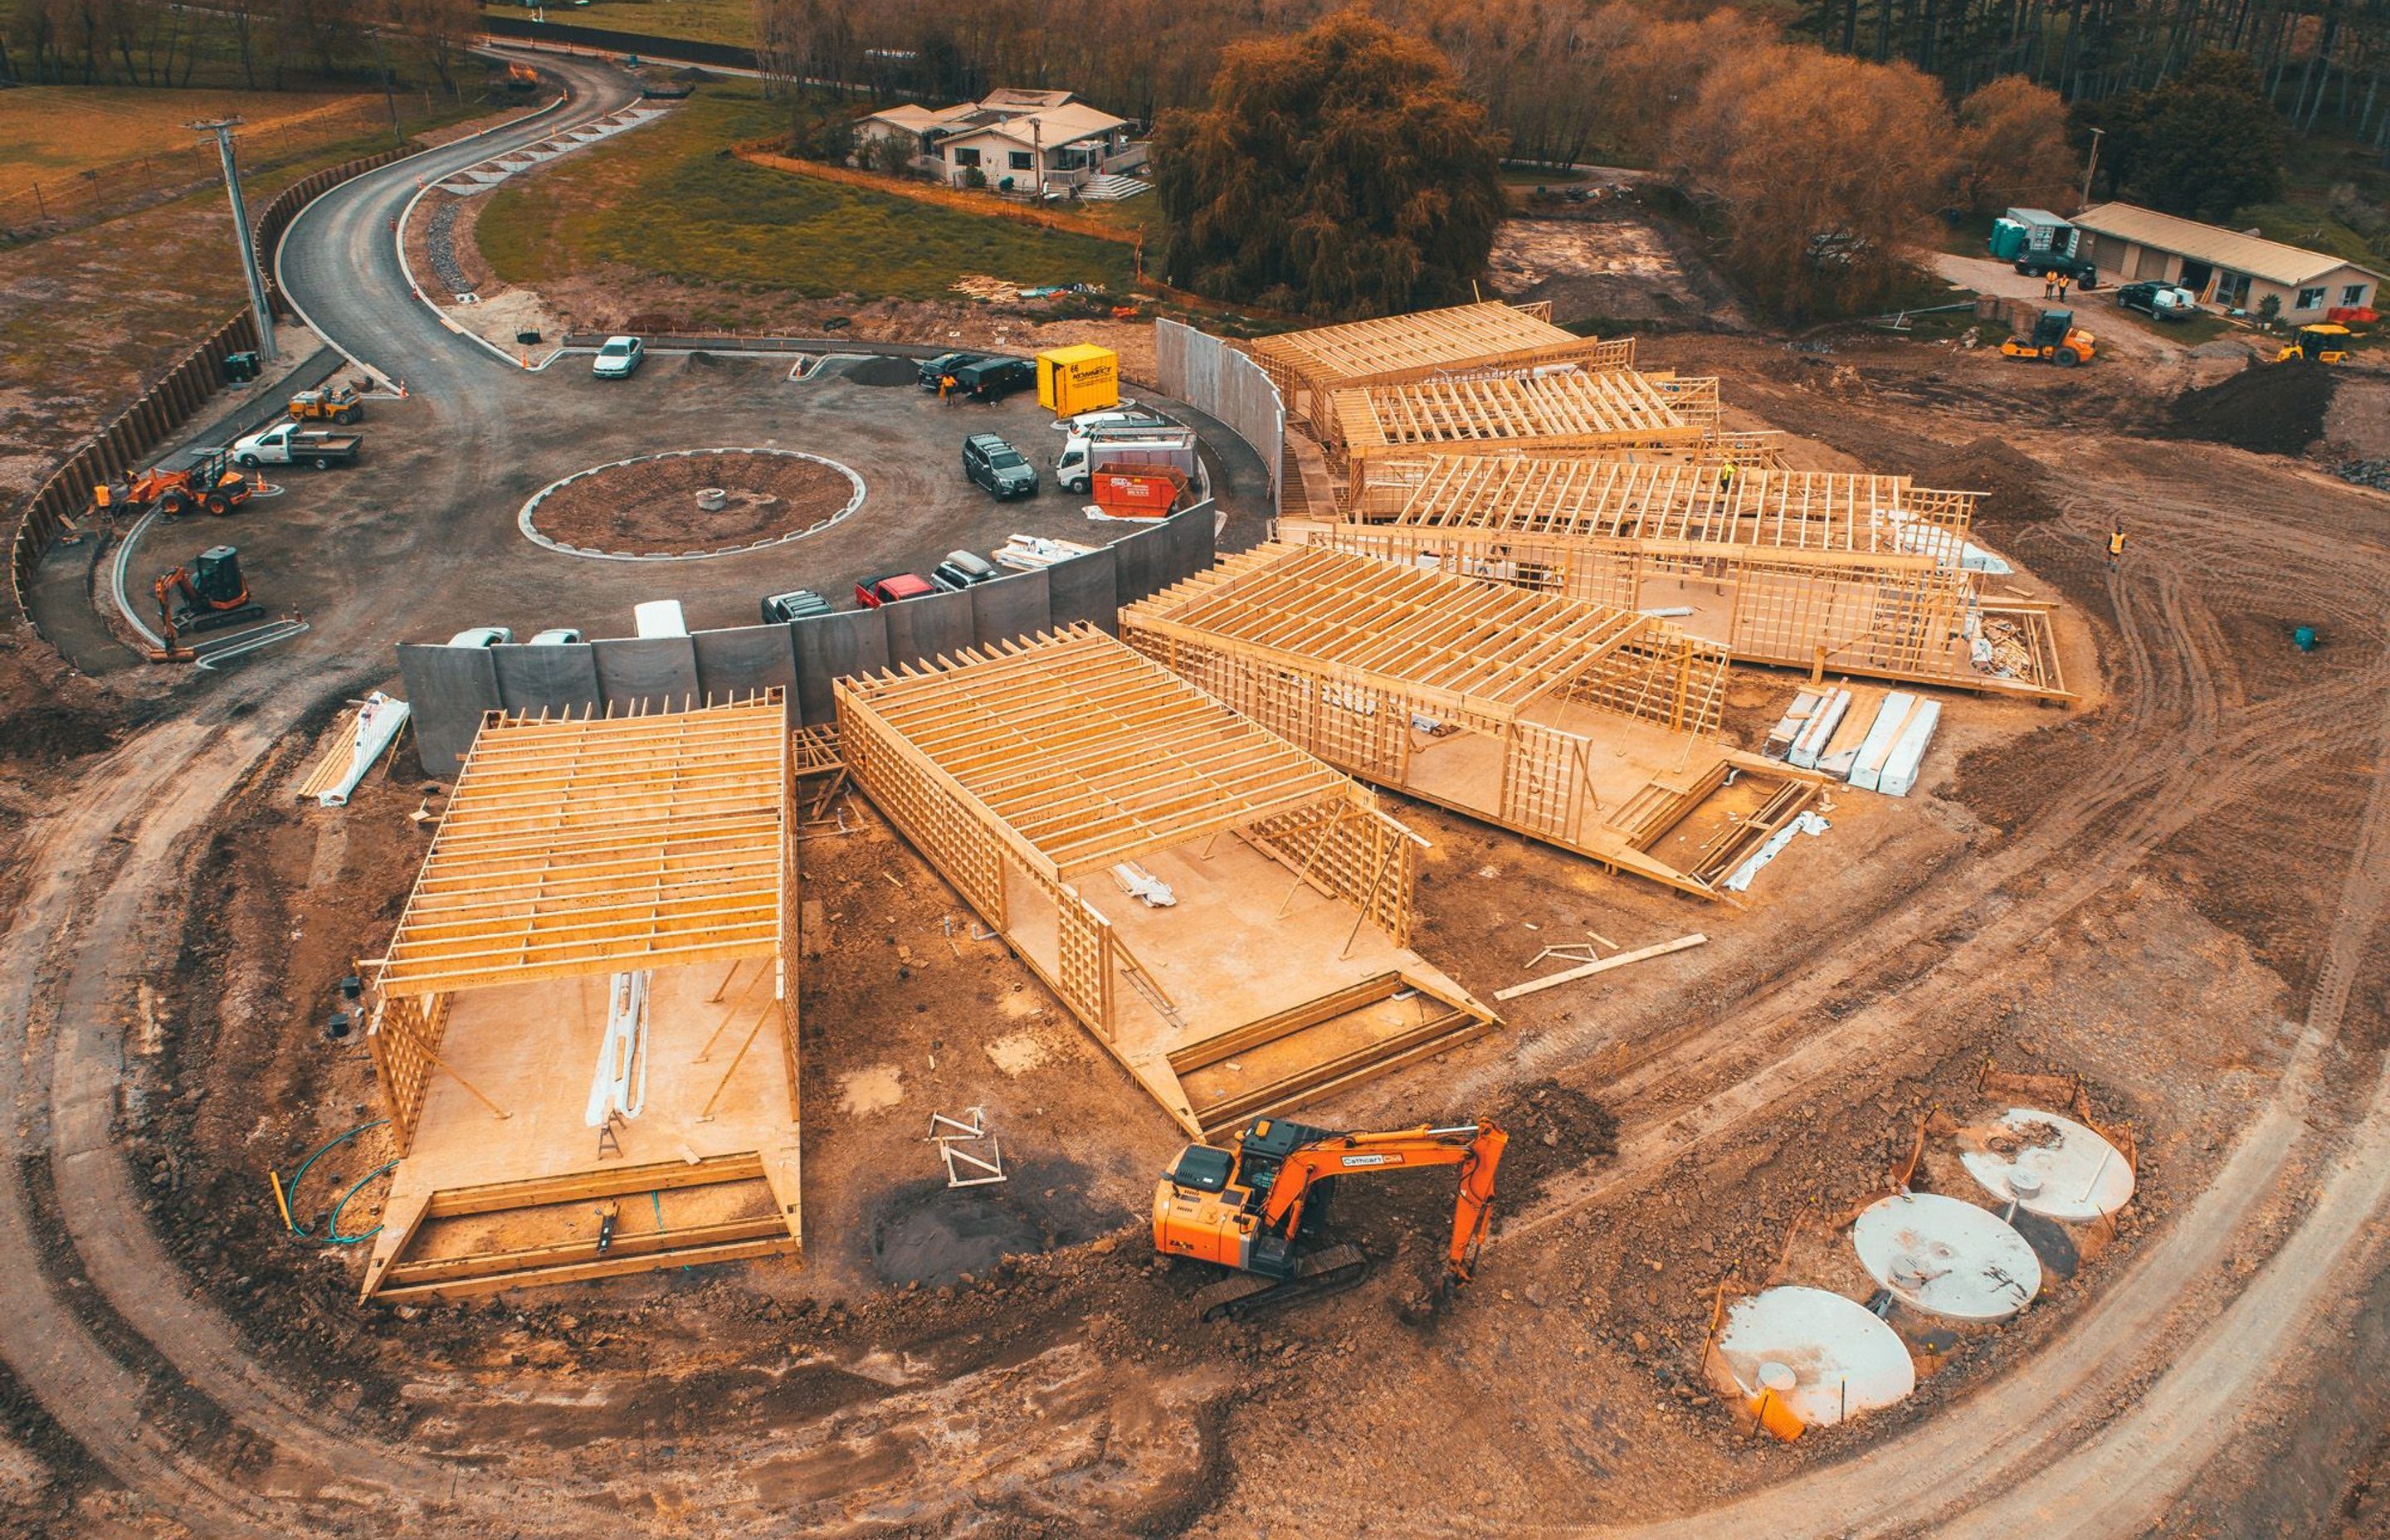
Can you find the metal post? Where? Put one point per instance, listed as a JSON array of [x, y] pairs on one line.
[[222, 128]]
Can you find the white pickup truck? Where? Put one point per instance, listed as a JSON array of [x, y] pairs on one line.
[[287, 443]]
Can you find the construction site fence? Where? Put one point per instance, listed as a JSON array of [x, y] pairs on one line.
[[448, 689], [1216, 378], [278, 214], [117, 448]]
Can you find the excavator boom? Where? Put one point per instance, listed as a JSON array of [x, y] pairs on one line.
[[1245, 1208]]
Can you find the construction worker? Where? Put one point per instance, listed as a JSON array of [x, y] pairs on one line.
[[2048, 284], [1726, 478], [945, 390], [2116, 545], [2063, 280]]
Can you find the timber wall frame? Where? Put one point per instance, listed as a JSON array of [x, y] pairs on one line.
[[1023, 768], [1673, 508], [1826, 613], [1573, 409], [1345, 655], [580, 845], [1388, 350]]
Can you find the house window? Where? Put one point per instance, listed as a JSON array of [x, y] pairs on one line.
[[2353, 295], [2308, 299], [966, 156], [1020, 159]]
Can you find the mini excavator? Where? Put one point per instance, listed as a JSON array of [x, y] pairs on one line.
[[1251, 1208], [207, 596]]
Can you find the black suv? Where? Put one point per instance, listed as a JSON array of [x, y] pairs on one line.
[[994, 378], [935, 369], [998, 466]]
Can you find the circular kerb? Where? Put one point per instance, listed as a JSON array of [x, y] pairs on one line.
[[524, 518]]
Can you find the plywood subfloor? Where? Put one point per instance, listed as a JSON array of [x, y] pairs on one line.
[[1224, 958], [533, 1050]]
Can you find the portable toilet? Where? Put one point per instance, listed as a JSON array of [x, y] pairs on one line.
[[2008, 240], [1075, 380]]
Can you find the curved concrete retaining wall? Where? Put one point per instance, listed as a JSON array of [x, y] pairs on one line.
[[449, 689], [1211, 377]]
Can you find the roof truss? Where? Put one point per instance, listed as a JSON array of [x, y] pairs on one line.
[[1486, 650], [1804, 511], [586, 845], [1083, 754], [1572, 408]]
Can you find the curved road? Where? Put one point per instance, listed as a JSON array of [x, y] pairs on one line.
[[2096, 1435]]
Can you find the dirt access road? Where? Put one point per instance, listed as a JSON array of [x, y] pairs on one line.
[[2180, 892]]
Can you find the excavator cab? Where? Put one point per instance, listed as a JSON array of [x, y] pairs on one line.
[[1251, 1207], [2325, 343], [207, 596]]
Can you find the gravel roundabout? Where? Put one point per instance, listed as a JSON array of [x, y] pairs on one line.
[[687, 504]]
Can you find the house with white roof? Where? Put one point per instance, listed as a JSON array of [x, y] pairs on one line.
[[1021, 141], [2223, 267]]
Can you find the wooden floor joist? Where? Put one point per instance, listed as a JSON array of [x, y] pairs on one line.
[[1041, 777], [1583, 724], [1567, 409]]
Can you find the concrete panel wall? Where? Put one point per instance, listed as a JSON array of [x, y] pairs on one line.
[[833, 646], [448, 688], [1084, 588], [1211, 377], [1009, 607], [746, 660], [660, 671], [556, 679], [922, 630]]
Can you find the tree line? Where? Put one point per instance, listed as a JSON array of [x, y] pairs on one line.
[[260, 44]]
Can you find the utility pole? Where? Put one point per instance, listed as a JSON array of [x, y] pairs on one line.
[[222, 128], [2089, 166]]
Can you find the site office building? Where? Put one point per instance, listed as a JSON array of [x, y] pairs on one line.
[[2223, 267]]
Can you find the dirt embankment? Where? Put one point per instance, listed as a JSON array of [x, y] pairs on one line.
[[2269, 409]]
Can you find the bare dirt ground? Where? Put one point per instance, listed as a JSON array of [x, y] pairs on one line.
[[651, 506], [2176, 890]]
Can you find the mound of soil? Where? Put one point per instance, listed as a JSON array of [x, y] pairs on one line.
[[2013, 484], [2275, 409], [884, 372], [650, 508]]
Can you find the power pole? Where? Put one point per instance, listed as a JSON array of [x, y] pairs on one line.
[[2089, 166], [222, 128]]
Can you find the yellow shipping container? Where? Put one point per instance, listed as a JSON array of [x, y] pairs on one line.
[[1082, 378]]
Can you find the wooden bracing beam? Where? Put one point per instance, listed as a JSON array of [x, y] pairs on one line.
[[1570, 409]]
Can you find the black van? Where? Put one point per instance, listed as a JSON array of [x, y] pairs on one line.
[[994, 378]]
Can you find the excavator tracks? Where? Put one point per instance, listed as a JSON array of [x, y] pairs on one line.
[[1322, 1273]]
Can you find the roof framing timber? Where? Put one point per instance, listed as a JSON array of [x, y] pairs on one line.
[[587, 845], [1572, 408], [1458, 339], [1880, 517], [1480, 651], [1083, 754]]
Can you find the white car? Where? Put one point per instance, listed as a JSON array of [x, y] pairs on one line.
[[482, 635], [1124, 411], [619, 357], [561, 635]]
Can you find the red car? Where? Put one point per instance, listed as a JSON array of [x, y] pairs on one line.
[[871, 593]]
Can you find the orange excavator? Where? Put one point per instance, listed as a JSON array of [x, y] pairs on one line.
[[207, 596], [1252, 1207]]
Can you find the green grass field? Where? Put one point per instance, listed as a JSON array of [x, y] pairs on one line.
[[731, 21], [669, 201]]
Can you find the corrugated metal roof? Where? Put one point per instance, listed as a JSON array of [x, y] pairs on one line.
[[2269, 260]]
